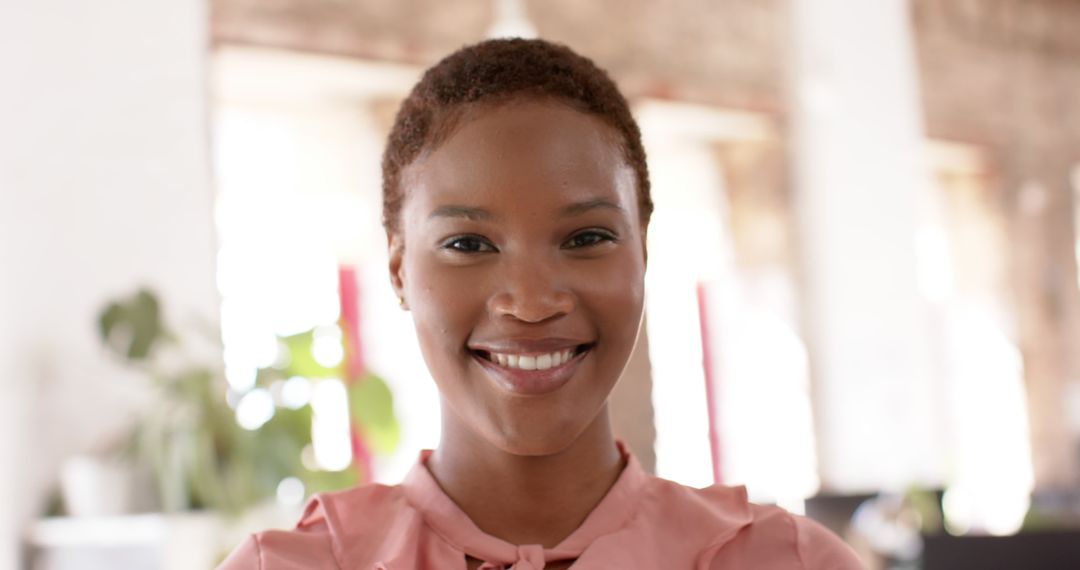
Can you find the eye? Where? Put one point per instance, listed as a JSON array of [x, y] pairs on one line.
[[588, 238], [468, 244]]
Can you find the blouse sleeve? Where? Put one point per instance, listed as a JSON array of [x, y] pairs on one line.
[[247, 556], [820, 549]]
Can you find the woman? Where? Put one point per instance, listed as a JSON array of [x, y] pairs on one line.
[[516, 203]]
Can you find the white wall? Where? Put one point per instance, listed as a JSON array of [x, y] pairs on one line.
[[104, 185]]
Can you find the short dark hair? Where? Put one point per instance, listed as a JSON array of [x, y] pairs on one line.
[[495, 71]]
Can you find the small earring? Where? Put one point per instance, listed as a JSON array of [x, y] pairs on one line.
[[401, 303]]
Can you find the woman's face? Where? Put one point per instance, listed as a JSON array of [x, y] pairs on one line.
[[521, 258]]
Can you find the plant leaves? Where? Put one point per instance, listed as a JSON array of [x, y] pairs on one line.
[[132, 326], [145, 320], [107, 320], [371, 406], [302, 358]]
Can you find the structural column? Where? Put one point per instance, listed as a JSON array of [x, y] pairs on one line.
[[1048, 309], [860, 184]]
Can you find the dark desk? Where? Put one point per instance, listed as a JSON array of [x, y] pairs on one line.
[[1048, 550]]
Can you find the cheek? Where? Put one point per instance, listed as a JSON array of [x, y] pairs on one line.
[[616, 289], [443, 304], [623, 318], [614, 298]]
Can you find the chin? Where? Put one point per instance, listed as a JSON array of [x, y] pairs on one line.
[[530, 443]]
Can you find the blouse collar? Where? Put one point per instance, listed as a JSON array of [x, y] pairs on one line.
[[450, 522]]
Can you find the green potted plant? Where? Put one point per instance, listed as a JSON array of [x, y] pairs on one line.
[[190, 440]]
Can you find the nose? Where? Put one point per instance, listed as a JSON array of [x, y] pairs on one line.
[[530, 291]]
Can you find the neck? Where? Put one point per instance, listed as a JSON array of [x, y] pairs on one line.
[[526, 499]]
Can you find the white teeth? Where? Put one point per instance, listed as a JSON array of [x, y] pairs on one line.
[[532, 362]]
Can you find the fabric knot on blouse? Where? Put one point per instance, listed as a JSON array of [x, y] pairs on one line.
[[528, 557]]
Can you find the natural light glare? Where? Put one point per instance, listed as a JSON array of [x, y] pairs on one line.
[[255, 409], [330, 433], [327, 347], [935, 264], [275, 252], [295, 392], [240, 377], [762, 372], [992, 475], [290, 492], [307, 458]]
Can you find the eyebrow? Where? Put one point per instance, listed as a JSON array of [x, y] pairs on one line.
[[480, 214], [589, 205], [474, 214]]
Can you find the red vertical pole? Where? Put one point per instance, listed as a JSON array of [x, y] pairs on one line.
[[710, 382], [349, 295]]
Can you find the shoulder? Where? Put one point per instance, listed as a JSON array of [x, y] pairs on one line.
[[820, 548], [777, 538], [329, 520], [732, 532]]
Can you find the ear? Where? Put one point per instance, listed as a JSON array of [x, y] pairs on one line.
[[396, 247]]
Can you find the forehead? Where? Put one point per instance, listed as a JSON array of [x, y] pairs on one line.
[[531, 152]]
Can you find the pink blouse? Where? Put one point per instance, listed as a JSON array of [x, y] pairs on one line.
[[643, 522]]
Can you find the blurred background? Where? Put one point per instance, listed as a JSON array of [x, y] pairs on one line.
[[862, 297]]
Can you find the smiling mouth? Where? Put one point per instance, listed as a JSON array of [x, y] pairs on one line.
[[533, 361]]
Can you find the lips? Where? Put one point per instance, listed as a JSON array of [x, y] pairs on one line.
[[533, 367]]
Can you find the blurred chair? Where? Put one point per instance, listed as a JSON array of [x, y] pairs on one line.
[[835, 511]]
